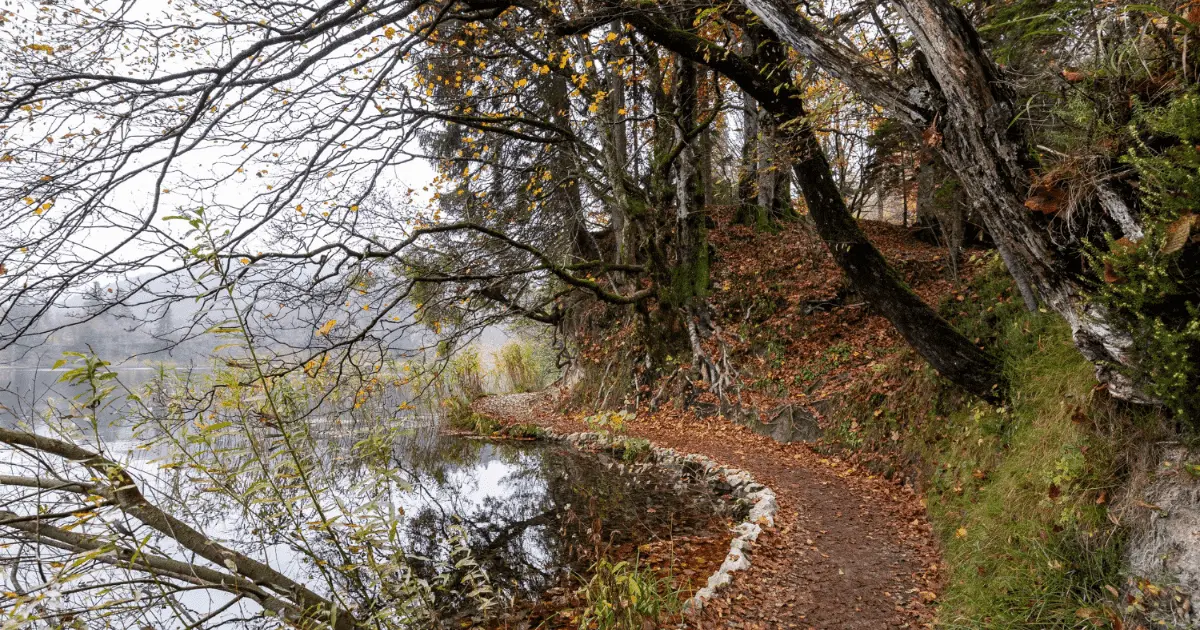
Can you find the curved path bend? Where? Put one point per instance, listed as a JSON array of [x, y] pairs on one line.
[[848, 550]]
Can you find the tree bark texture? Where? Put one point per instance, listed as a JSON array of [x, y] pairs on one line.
[[967, 112]]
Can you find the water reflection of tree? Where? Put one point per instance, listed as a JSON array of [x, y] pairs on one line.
[[563, 506], [526, 514]]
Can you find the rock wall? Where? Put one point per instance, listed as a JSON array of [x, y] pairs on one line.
[[1163, 553]]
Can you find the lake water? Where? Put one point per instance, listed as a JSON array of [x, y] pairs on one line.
[[530, 514], [28, 394]]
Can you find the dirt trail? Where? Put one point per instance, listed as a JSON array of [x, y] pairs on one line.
[[848, 550]]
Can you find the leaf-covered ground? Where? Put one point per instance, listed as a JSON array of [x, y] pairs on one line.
[[850, 549], [796, 331]]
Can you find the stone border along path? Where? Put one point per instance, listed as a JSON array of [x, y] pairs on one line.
[[763, 505], [849, 550]]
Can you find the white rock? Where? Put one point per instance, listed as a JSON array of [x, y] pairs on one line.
[[763, 508], [748, 531], [735, 561], [720, 579]]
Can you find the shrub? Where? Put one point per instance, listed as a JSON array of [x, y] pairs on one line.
[[1149, 287], [520, 368], [633, 449], [609, 422], [466, 374], [627, 596]]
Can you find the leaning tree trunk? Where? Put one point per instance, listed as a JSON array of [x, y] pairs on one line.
[[967, 112], [987, 151], [948, 351]]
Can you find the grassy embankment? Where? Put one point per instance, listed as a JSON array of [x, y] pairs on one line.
[[1019, 495]]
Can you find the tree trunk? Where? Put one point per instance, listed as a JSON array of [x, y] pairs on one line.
[[567, 198], [967, 111], [706, 165], [746, 213], [748, 175], [988, 152], [767, 173], [616, 159], [948, 351], [782, 209], [944, 215], [929, 179], [690, 270]]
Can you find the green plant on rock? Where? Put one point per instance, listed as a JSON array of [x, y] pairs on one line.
[[634, 449], [1150, 286], [612, 426]]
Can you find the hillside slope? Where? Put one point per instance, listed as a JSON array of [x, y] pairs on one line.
[[910, 503]]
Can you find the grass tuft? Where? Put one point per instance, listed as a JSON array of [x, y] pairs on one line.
[[626, 596], [466, 420]]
